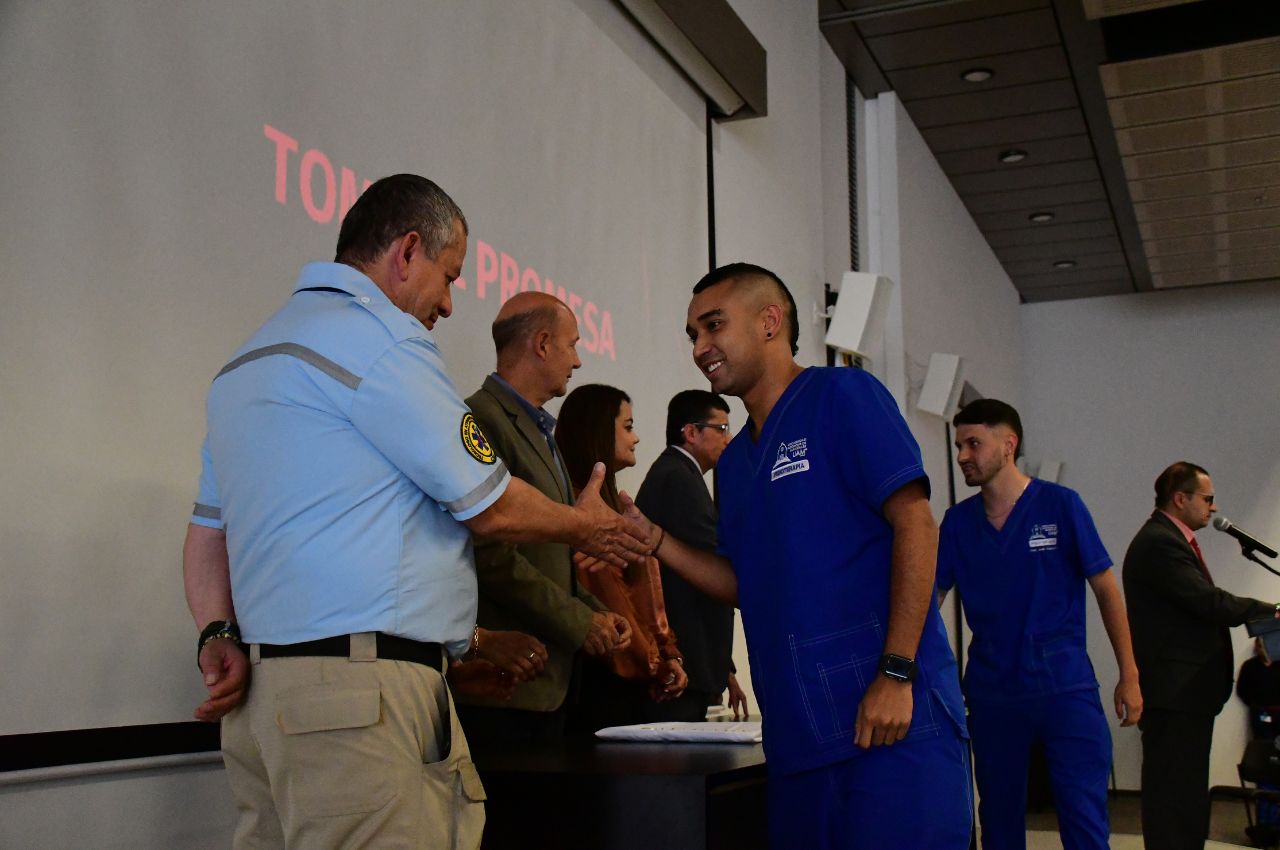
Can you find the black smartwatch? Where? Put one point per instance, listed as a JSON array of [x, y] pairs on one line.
[[898, 668]]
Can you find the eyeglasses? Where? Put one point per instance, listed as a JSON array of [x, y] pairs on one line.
[[722, 427], [1208, 497]]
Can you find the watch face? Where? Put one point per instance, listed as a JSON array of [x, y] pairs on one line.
[[897, 667]]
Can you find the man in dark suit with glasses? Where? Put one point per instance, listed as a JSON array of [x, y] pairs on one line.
[[1180, 623]]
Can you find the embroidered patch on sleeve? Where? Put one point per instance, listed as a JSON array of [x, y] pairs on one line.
[[477, 445]]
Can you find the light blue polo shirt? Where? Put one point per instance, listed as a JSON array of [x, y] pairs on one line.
[[341, 461]]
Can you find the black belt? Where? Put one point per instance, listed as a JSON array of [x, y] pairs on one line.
[[390, 647]]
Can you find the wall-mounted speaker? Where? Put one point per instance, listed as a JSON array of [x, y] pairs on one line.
[[857, 319], [940, 395]]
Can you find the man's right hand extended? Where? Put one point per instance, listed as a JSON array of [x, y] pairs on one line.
[[226, 676], [606, 534], [609, 633]]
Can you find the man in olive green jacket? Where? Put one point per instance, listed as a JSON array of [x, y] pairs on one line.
[[531, 587]]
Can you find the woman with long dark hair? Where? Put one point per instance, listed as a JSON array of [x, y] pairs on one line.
[[595, 425]]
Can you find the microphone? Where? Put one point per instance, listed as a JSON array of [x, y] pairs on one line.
[[1247, 540]]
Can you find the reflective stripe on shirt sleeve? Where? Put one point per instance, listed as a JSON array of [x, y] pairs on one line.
[[485, 494]]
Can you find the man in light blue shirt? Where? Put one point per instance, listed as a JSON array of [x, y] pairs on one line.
[[341, 476]]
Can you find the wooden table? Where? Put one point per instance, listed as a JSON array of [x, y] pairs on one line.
[[588, 794]]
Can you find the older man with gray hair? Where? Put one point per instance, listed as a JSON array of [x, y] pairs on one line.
[[342, 476]]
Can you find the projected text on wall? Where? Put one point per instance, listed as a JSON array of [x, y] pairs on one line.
[[309, 179]]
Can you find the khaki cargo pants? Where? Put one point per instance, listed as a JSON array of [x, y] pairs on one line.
[[350, 753]]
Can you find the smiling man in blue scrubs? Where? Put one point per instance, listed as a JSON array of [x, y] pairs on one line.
[[828, 545], [1020, 553]]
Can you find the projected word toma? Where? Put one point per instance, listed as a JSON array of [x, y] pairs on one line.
[[327, 192], [325, 195]]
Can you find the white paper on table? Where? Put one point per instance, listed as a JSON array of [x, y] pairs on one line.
[[743, 732]]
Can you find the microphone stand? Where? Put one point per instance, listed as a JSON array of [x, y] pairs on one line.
[[1251, 553]]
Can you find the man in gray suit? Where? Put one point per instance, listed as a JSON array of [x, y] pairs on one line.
[[531, 587], [674, 495]]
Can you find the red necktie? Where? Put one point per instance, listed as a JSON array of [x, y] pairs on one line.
[[1227, 652], [1204, 570]]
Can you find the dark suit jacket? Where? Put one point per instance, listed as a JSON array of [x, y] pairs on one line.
[[530, 587], [674, 495], [1179, 622]]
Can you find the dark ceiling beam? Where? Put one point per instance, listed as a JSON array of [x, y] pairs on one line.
[[850, 48], [1086, 50], [728, 45], [713, 47]]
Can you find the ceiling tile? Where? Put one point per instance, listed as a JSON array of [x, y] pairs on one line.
[[998, 103], [1206, 182], [1034, 234], [1039, 152], [1268, 255], [1073, 249], [934, 14], [1015, 177], [1193, 68], [1204, 158], [1202, 205], [1213, 129], [1222, 274], [1084, 264], [1068, 277], [966, 40], [1193, 101], [1091, 211], [1106, 8], [1010, 69], [1117, 286], [1218, 223], [1041, 197], [1005, 131], [1225, 241]]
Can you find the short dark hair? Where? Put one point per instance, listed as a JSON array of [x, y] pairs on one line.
[[392, 207], [738, 271], [689, 406], [991, 412], [522, 326], [1180, 477], [585, 435]]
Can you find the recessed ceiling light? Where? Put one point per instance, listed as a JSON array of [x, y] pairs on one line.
[[977, 75], [1064, 264], [1041, 217], [1012, 155]]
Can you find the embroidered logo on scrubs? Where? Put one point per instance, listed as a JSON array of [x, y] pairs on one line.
[[1044, 537], [791, 459], [475, 441]]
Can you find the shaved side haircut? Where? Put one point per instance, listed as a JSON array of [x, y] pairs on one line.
[[763, 285]]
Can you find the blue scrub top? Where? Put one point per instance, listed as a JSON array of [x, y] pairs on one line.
[[800, 519], [1023, 589]]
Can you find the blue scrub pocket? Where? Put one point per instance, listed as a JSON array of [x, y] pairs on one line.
[[1065, 661], [832, 671]]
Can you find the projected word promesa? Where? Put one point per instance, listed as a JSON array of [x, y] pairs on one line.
[[327, 194], [595, 325]]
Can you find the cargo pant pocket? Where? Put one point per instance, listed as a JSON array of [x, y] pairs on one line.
[[332, 737], [452, 791]]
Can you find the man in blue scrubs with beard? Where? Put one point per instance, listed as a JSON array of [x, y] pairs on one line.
[[1020, 553], [828, 545]]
